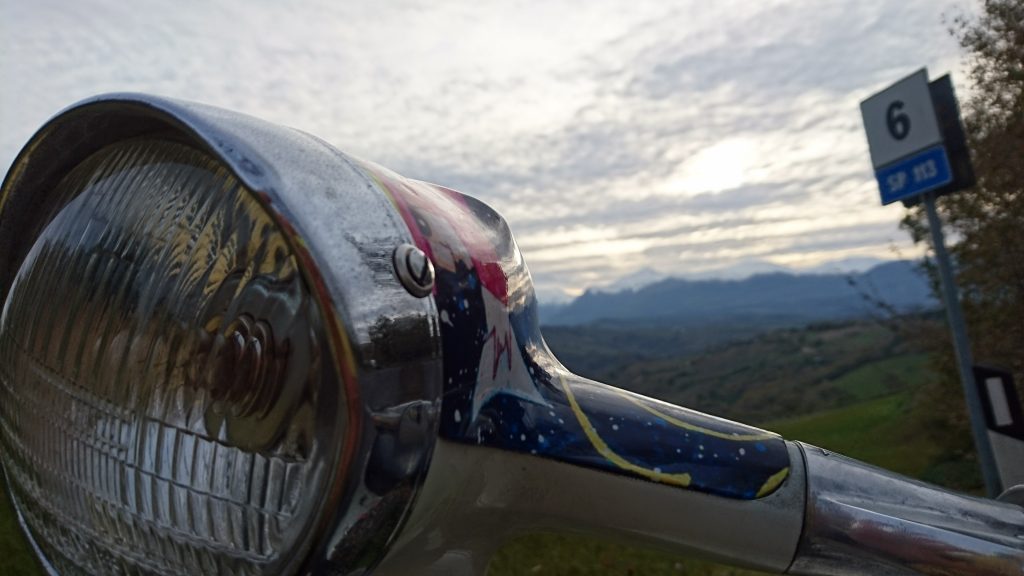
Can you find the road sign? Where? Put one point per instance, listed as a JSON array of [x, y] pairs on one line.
[[911, 160], [900, 120], [911, 176], [916, 139]]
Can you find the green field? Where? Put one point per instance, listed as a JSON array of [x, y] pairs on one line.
[[572, 555], [16, 559], [877, 431]]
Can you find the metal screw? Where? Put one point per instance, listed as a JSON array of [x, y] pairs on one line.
[[414, 269]]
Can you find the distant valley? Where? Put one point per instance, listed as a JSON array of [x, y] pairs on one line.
[[600, 334]]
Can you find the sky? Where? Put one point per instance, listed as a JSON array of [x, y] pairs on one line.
[[620, 139]]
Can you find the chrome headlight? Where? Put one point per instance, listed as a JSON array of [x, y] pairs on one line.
[[185, 385]]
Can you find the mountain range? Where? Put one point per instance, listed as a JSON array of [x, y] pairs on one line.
[[900, 286]]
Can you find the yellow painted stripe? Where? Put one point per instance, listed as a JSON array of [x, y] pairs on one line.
[[695, 428], [773, 482], [603, 448]]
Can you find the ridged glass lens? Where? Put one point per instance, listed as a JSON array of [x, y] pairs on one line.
[[168, 399]]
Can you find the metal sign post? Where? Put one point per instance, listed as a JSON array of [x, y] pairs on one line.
[[910, 153], [962, 346]]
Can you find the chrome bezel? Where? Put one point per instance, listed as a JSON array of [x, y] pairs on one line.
[[386, 343]]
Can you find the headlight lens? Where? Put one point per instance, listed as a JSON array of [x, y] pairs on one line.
[[168, 397]]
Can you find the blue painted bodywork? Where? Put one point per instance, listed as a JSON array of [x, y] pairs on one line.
[[504, 389]]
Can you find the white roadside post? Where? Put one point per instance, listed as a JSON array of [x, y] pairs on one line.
[[910, 158], [1004, 418]]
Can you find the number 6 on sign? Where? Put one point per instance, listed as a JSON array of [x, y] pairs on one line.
[[900, 120], [897, 122]]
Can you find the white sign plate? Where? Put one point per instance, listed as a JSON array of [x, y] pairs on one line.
[[900, 120]]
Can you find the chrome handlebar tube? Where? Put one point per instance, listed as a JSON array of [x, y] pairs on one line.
[[865, 520], [833, 516]]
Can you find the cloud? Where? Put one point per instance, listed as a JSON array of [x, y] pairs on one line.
[[614, 135]]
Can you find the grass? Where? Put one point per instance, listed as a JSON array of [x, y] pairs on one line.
[[778, 374], [883, 377], [878, 431], [16, 558], [573, 555]]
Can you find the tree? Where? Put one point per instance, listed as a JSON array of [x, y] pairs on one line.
[[987, 222]]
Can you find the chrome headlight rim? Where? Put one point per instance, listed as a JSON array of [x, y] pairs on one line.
[[341, 228]]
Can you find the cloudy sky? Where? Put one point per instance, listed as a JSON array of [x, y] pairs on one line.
[[689, 138]]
